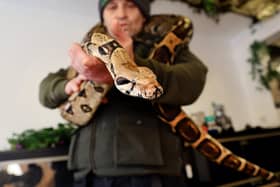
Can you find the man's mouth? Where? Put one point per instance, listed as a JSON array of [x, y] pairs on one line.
[[124, 26]]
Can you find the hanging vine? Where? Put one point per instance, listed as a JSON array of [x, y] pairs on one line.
[[263, 67]]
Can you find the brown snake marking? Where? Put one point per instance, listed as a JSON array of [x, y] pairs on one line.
[[174, 30]]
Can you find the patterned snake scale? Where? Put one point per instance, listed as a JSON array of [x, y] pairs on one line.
[[141, 82]]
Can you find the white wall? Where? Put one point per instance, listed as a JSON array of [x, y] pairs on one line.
[[35, 37], [260, 104]]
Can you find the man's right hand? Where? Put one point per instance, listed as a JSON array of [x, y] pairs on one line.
[[90, 67]]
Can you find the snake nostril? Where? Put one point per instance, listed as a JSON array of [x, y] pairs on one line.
[[122, 81]]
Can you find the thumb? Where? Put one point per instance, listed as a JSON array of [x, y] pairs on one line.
[[120, 33], [73, 49]]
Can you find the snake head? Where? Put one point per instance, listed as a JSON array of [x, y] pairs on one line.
[[148, 89]]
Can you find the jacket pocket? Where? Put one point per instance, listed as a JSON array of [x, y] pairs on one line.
[[138, 141]]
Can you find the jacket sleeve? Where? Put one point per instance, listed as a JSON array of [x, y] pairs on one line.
[[51, 89], [183, 81]]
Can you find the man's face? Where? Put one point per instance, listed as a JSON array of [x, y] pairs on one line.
[[123, 13]]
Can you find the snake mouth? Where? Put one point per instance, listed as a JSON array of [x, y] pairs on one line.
[[122, 81], [154, 93]]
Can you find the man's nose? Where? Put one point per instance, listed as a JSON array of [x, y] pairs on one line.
[[121, 12]]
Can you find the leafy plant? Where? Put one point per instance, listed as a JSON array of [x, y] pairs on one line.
[[261, 64], [255, 9], [43, 138], [210, 7]]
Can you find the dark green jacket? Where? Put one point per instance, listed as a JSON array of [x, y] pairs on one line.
[[125, 136]]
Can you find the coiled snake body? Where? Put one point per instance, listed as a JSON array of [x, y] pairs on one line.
[[141, 82]]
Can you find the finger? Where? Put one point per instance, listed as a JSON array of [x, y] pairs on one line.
[[75, 87], [71, 87], [77, 54], [88, 61], [120, 32], [72, 49], [80, 78]]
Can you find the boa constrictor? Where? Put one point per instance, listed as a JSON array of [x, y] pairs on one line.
[[141, 82]]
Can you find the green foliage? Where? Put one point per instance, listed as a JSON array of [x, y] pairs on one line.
[[256, 66], [43, 138], [264, 73], [210, 7], [254, 9]]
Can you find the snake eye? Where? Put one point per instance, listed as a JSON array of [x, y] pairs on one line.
[[122, 80], [103, 50], [88, 47]]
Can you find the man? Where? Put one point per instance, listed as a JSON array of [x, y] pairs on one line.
[[125, 143]]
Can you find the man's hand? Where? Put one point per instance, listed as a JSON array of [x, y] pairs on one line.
[[120, 33], [74, 84], [91, 68]]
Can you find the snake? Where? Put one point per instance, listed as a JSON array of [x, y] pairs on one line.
[[130, 79]]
